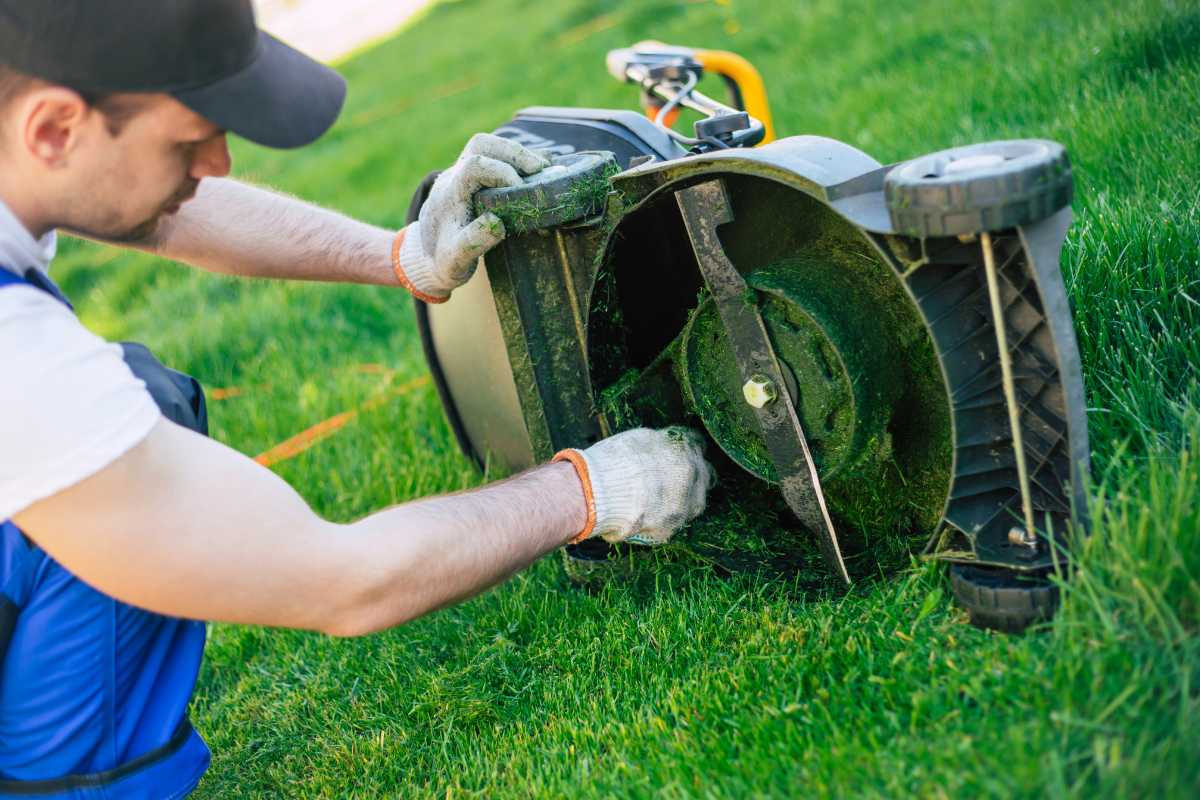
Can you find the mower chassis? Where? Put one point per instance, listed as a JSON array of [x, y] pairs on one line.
[[510, 351]]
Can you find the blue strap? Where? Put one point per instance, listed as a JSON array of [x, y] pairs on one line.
[[35, 279], [9, 278], [171, 771]]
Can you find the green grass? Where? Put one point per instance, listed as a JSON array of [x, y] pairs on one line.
[[696, 683]]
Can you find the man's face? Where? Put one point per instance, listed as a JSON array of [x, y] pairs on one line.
[[127, 182]]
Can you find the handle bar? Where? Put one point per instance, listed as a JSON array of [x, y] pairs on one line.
[[664, 73]]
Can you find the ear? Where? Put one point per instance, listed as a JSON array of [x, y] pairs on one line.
[[53, 121]]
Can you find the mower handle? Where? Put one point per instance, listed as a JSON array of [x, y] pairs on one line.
[[661, 69]]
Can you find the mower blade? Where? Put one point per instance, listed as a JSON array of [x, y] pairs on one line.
[[704, 208]]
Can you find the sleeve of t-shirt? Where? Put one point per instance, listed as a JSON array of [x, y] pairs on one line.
[[69, 405]]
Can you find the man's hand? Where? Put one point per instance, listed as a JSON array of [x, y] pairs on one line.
[[643, 485], [439, 252]]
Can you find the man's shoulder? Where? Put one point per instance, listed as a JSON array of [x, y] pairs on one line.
[[30, 281], [24, 306], [41, 339], [69, 404]]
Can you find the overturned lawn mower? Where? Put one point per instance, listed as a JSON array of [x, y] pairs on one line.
[[876, 352]]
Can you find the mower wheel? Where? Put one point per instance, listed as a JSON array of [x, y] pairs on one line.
[[1002, 600], [593, 562], [980, 187]]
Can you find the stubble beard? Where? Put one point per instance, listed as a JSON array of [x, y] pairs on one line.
[[150, 229]]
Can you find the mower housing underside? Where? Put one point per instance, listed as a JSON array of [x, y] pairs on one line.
[[569, 334]]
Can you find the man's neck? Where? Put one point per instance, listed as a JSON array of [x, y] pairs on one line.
[[24, 208]]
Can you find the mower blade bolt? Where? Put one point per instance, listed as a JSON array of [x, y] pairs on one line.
[[759, 391]]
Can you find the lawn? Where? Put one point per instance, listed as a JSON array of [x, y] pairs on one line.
[[698, 683]]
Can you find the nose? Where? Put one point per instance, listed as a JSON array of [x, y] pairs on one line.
[[212, 159]]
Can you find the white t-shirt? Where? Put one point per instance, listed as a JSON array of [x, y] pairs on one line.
[[69, 406]]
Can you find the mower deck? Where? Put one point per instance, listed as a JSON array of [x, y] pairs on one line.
[[766, 296]]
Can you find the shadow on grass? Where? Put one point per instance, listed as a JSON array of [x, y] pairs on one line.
[[748, 537]]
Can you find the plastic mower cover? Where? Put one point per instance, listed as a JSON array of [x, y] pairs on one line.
[[875, 352]]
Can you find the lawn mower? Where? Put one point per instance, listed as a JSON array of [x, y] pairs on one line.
[[874, 352]]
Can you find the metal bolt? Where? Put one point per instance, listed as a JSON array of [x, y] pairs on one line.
[[759, 391], [1017, 535]]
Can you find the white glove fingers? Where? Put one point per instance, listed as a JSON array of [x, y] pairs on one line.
[[518, 156], [686, 437], [452, 239], [434, 210], [654, 536], [614, 536], [698, 499], [648, 484], [481, 235], [481, 172]]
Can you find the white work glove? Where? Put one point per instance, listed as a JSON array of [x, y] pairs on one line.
[[439, 252], [642, 485]]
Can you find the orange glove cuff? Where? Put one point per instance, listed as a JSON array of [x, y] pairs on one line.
[[581, 469], [404, 281]]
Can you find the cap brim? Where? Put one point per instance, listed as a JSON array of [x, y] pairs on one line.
[[284, 99]]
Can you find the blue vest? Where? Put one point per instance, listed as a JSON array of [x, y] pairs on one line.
[[93, 691]]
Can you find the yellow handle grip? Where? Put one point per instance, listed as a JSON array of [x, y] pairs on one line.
[[748, 80]]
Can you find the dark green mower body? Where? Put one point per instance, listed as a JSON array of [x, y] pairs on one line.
[[827, 321]]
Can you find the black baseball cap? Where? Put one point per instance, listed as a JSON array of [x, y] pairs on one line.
[[207, 54]]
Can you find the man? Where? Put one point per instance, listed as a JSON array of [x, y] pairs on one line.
[[125, 525]]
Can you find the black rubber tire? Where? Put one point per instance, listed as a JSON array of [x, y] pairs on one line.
[[981, 187], [1002, 600], [594, 562]]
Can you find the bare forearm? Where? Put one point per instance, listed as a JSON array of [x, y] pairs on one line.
[[445, 549], [239, 229], [184, 526]]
